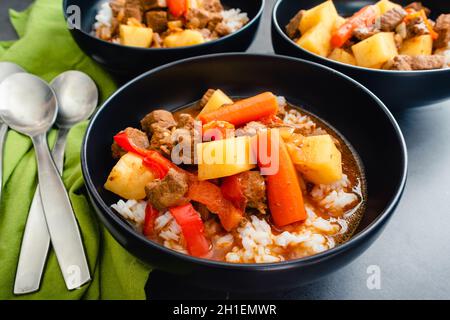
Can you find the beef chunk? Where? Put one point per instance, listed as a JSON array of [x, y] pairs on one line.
[[137, 137], [222, 29], [417, 6], [133, 9], [157, 41], [408, 63], [254, 189], [292, 27], [153, 4], [208, 94], [416, 27], [363, 33], [212, 5], [168, 192], [184, 138], [157, 20], [198, 18], [250, 129], [442, 27], [118, 9], [391, 19], [158, 125]]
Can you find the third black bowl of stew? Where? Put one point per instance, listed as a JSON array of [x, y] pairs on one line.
[[251, 183], [399, 49]]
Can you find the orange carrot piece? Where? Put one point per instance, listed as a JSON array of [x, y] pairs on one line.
[[246, 110], [211, 196], [284, 193]]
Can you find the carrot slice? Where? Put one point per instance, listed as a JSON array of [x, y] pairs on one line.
[[284, 193], [243, 111]]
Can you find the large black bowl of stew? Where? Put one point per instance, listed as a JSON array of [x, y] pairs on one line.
[[401, 54], [237, 225], [129, 37]]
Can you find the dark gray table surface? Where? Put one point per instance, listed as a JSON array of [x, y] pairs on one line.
[[413, 253]]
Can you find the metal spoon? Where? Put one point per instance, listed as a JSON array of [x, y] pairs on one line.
[[77, 98], [29, 106], [6, 69]]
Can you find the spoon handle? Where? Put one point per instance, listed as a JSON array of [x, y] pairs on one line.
[[3, 131], [36, 240], [61, 222]]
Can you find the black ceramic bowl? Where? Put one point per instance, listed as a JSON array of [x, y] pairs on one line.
[[397, 89], [127, 62], [349, 107]]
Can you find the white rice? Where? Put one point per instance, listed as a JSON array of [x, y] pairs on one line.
[[104, 16], [234, 19], [132, 210], [334, 197], [261, 245], [294, 117]]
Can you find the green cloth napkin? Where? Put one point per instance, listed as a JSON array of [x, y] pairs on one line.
[[46, 49]]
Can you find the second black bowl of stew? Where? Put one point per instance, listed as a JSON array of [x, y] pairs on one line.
[[249, 182], [399, 49]]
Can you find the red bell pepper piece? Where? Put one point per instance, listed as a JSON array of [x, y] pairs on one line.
[[192, 228], [363, 18], [152, 159], [177, 8], [149, 222], [232, 191]]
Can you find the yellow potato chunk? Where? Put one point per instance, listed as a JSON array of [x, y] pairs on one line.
[[223, 158], [317, 40], [217, 100], [420, 45], [183, 38], [318, 159], [343, 56], [386, 5], [129, 177], [324, 13], [376, 50], [135, 36]]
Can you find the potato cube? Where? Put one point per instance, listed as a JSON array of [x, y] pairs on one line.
[[223, 158], [217, 100], [318, 159], [129, 177], [135, 36], [183, 38], [376, 50], [386, 5], [317, 40], [343, 56], [420, 45], [324, 13]]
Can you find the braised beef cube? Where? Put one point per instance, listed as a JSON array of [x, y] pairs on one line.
[[442, 27], [137, 137], [157, 20], [168, 192], [417, 6], [197, 18], [253, 186], [163, 118], [391, 19], [408, 63], [212, 5], [153, 4], [133, 9], [292, 27]]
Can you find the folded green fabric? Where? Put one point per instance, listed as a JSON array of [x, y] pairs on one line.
[[46, 49]]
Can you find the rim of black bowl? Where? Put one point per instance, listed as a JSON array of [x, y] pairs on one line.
[[251, 22], [378, 222], [277, 27]]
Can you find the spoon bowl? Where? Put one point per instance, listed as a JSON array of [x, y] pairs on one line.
[[27, 104], [77, 97], [9, 68]]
